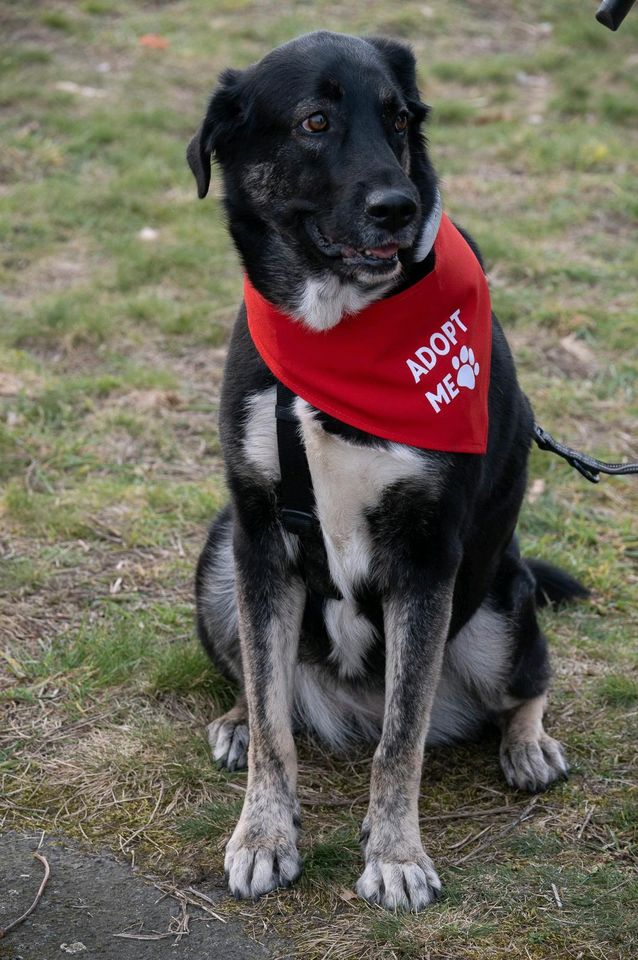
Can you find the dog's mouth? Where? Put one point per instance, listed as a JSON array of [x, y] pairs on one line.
[[381, 259]]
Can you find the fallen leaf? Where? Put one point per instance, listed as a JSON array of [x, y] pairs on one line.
[[347, 895], [154, 41]]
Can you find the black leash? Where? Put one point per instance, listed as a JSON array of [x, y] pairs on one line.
[[590, 467], [297, 499]]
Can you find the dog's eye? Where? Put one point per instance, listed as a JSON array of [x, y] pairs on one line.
[[401, 123], [316, 123]]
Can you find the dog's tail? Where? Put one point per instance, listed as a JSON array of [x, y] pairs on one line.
[[553, 585]]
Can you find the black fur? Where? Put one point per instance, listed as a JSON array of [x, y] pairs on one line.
[[553, 585], [444, 560]]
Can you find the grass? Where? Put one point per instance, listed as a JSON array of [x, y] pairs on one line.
[[119, 291]]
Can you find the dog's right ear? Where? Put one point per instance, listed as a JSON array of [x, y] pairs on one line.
[[223, 118]]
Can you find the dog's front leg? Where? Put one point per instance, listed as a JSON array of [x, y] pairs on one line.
[[262, 854], [398, 872]]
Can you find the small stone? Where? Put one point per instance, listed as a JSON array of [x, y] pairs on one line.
[[536, 490], [69, 86], [76, 947], [148, 234]]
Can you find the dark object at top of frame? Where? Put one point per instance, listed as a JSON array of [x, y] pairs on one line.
[[612, 12]]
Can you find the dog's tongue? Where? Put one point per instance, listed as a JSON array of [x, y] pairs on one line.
[[379, 253], [383, 253]]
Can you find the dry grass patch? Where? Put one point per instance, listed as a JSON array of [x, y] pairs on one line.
[[111, 350]]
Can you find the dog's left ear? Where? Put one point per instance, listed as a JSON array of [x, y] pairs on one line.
[[400, 59], [223, 117]]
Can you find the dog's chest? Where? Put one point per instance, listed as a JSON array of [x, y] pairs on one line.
[[348, 480]]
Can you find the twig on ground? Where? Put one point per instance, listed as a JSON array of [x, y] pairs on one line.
[[16, 923], [469, 839], [492, 839], [585, 822], [190, 895], [202, 896], [178, 926], [469, 814], [144, 936], [108, 532]]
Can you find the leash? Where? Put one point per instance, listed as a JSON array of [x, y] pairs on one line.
[[589, 467], [296, 500]]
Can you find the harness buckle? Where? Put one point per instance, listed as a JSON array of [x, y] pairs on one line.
[[297, 521]]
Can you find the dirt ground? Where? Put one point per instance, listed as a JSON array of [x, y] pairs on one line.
[[90, 901]]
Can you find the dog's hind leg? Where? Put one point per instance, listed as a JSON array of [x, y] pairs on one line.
[[216, 601], [219, 633], [531, 760], [228, 736]]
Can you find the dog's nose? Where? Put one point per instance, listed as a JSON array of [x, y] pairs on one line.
[[390, 209]]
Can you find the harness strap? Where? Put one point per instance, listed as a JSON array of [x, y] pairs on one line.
[[590, 467], [297, 499]]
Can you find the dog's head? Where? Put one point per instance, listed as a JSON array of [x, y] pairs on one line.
[[327, 180]]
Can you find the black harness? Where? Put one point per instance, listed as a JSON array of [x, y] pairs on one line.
[[297, 499]]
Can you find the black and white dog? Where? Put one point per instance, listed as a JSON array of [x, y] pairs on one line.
[[431, 630]]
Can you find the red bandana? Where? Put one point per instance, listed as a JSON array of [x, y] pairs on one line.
[[414, 368]]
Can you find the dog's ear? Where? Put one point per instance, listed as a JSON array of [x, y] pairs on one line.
[[400, 59], [222, 120]]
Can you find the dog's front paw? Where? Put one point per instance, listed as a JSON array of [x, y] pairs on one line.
[[257, 862], [228, 739], [400, 885], [398, 874], [533, 765]]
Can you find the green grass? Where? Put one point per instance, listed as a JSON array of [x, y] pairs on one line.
[[619, 691], [111, 348]]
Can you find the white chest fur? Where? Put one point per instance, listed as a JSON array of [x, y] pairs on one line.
[[348, 480]]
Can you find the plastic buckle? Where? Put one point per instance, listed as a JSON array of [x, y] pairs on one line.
[[297, 521]]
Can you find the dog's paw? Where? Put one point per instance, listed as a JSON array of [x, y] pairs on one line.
[[228, 741], [533, 765], [410, 885], [261, 865]]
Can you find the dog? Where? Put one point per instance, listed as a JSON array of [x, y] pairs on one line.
[[410, 618]]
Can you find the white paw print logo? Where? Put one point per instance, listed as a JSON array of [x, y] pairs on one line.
[[469, 368]]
